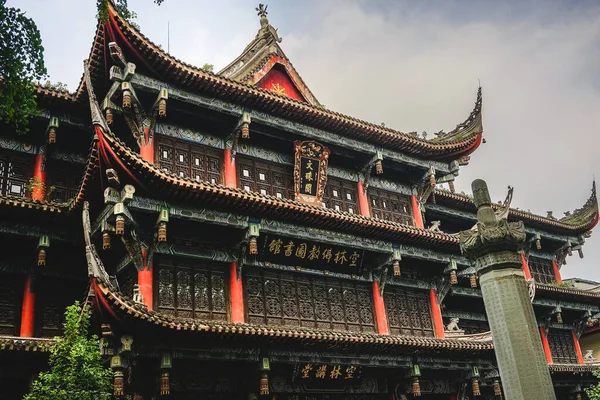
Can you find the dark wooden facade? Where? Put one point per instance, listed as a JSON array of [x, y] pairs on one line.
[[228, 283]]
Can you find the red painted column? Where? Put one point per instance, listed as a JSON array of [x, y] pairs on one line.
[[577, 348], [380, 315], [416, 210], [452, 397], [525, 267], [546, 345], [438, 322], [363, 201], [39, 173], [147, 150], [229, 169], [28, 308], [145, 281], [556, 272], [236, 293]]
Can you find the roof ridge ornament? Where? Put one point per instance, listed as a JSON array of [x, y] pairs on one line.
[[265, 27], [262, 13]]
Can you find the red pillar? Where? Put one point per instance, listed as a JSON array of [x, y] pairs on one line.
[[28, 308], [363, 201], [577, 348], [416, 210], [556, 272], [145, 281], [525, 267], [546, 345], [229, 167], [236, 293], [380, 316], [147, 150], [438, 322], [40, 175], [452, 397]]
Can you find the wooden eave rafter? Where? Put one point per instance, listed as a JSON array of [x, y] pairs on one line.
[[566, 291], [448, 146], [578, 222], [14, 343]]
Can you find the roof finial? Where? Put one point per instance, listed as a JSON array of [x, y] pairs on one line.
[[262, 13]]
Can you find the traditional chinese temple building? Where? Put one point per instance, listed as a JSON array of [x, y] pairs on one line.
[[237, 240]]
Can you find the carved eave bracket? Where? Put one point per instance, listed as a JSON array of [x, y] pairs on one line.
[[140, 122], [366, 170], [240, 131]]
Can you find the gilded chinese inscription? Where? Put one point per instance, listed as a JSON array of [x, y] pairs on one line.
[[310, 171]]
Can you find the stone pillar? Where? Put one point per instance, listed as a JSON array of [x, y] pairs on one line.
[[494, 249]]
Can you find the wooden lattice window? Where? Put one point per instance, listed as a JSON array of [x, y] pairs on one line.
[[64, 179], [15, 170], [408, 312], [266, 178], [562, 346], [340, 195], [188, 160], [52, 296], [277, 298], [191, 291], [11, 292], [541, 270], [390, 206]]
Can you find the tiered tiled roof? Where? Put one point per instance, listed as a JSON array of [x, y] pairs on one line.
[[13, 343], [447, 146], [123, 304]]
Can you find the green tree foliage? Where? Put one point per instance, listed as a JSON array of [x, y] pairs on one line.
[[76, 371], [208, 67], [593, 392], [122, 8], [21, 64]]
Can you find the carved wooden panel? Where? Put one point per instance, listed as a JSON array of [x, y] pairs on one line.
[[15, 170], [64, 179], [264, 177], [127, 280], [340, 195], [562, 346], [192, 291], [188, 160], [390, 206], [541, 270], [277, 298], [408, 312], [11, 293], [52, 296]]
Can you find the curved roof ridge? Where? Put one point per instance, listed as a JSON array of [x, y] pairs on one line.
[[583, 219]]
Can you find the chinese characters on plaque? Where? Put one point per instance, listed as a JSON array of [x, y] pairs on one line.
[[310, 171], [298, 252], [325, 372]]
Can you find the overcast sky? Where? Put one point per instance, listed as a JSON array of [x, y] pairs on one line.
[[414, 66]]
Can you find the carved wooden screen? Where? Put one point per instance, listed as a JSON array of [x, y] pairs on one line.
[[191, 291], [127, 280], [15, 170], [541, 270], [562, 346], [11, 292], [265, 177], [390, 206], [408, 312], [64, 179], [277, 298], [188, 160], [340, 195], [52, 296]]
